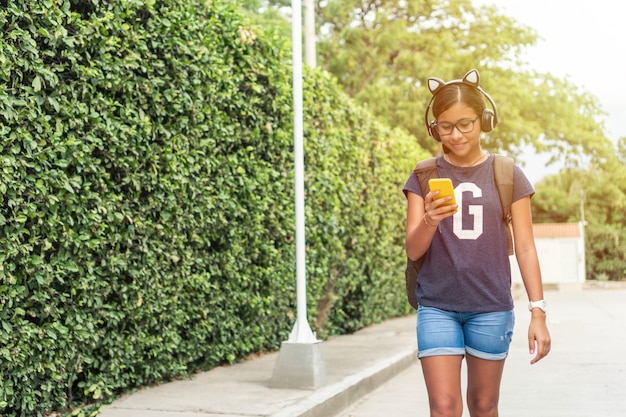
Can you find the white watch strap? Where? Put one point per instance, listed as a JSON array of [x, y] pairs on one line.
[[538, 304]]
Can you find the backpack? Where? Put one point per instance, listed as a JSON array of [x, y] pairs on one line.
[[503, 176]]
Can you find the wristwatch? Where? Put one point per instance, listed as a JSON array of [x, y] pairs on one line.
[[538, 304]]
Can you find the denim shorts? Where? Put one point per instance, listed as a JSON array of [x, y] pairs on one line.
[[483, 335]]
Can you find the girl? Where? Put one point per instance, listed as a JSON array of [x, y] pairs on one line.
[[464, 285]]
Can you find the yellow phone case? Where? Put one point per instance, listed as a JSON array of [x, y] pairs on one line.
[[444, 185]]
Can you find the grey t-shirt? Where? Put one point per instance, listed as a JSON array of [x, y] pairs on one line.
[[467, 268]]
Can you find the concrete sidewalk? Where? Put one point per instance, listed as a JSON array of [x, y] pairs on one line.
[[583, 376], [374, 372], [355, 365]]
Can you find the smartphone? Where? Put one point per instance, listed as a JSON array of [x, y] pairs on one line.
[[445, 188]]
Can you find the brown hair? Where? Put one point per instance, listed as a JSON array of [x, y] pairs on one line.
[[451, 94]]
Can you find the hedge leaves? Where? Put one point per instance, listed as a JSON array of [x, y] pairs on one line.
[[146, 199]]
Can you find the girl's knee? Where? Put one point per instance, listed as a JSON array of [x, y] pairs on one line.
[[446, 407], [482, 407]]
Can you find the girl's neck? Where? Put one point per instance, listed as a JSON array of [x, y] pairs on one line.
[[466, 162]]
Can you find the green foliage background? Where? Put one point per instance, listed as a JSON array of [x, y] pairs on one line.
[[146, 199], [382, 52]]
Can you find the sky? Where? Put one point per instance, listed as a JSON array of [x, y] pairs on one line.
[[584, 41]]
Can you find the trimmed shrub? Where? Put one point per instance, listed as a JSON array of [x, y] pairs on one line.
[[356, 168], [146, 199]]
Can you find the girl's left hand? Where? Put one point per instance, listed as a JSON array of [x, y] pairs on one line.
[[539, 341]]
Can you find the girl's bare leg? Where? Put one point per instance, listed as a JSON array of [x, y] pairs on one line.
[[483, 386], [442, 375]]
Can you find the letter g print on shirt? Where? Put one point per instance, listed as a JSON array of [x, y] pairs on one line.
[[474, 210]]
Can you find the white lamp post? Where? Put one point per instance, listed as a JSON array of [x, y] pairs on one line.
[[300, 363]]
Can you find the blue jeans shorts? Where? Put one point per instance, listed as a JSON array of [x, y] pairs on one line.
[[483, 335]]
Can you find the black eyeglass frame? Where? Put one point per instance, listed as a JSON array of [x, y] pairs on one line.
[[453, 126]]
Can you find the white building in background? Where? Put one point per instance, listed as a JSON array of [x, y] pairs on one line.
[[561, 250]]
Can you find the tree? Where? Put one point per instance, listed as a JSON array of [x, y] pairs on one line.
[[382, 53]]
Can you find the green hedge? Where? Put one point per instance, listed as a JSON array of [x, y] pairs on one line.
[[146, 199], [356, 168]]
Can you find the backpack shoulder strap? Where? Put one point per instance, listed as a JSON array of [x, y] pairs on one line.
[[425, 170], [503, 175]]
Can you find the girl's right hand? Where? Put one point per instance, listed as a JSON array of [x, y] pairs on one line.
[[435, 209]]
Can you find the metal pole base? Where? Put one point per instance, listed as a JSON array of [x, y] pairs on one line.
[[299, 366]]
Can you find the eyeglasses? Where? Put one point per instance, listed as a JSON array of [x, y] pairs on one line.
[[463, 125]]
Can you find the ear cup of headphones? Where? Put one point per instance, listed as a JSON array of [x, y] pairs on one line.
[[488, 121], [432, 131]]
